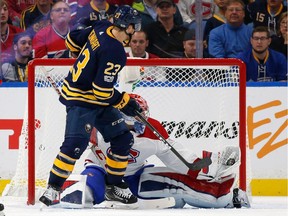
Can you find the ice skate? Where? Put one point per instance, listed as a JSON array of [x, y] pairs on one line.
[[240, 198], [50, 197], [2, 210], [120, 196]]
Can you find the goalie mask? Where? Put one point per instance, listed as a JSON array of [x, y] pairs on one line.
[[135, 123]]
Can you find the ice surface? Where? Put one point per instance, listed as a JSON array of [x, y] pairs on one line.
[[261, 206]]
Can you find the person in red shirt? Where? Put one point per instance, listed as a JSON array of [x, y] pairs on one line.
[[49, 42], [7, 33]]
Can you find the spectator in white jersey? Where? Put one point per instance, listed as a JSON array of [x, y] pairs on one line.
[[188, 10]]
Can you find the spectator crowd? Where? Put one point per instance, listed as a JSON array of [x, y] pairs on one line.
[[253, 31]]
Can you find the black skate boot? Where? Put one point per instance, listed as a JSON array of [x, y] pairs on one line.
[[120, 196], [51, 196], [2, 210], [240, 199]]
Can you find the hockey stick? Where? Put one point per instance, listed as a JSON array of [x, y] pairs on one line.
[[50, 80], [198, 165]]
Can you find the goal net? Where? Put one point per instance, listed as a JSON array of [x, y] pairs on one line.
[[201, 103]]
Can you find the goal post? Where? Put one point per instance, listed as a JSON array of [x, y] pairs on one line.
[[201, 103]]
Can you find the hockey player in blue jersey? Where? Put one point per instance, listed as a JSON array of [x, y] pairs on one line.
[[92, 101], [263, 64]]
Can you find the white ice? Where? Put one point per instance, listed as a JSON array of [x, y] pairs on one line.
[[261, 206]]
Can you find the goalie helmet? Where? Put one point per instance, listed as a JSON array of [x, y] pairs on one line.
[[125, 16], [142, 103], [136, 124]]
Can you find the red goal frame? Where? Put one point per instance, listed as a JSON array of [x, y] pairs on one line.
[[136, 62]]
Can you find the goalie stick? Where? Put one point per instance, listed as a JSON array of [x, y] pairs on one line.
[[197, 165]]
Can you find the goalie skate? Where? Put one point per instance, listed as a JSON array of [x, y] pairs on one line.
[[2, 210], [120, 196], [50, 197], [240, 199]]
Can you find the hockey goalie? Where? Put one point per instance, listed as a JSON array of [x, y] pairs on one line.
[[171, 186]]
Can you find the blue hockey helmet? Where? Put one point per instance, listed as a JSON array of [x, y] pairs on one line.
[[125, 16]]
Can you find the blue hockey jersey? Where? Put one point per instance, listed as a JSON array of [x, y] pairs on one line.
[[273, 68], [91, 80]]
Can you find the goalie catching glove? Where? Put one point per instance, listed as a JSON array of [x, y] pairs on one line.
[[128, 105]]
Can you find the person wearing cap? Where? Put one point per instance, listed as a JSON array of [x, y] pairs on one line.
[[185, 74], [189, 45], [165, 36], [147, 10]]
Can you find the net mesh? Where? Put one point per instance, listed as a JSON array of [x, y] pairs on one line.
[[197, 104]]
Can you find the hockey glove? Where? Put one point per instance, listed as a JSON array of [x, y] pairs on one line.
[[128, 105]]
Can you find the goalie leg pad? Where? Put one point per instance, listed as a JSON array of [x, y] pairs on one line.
[[84, 192], [133, 180], [158, 182], [75, 193], [96, 182]]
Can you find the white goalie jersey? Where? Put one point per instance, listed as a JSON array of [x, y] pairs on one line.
[[147, 144], [142, 149]]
